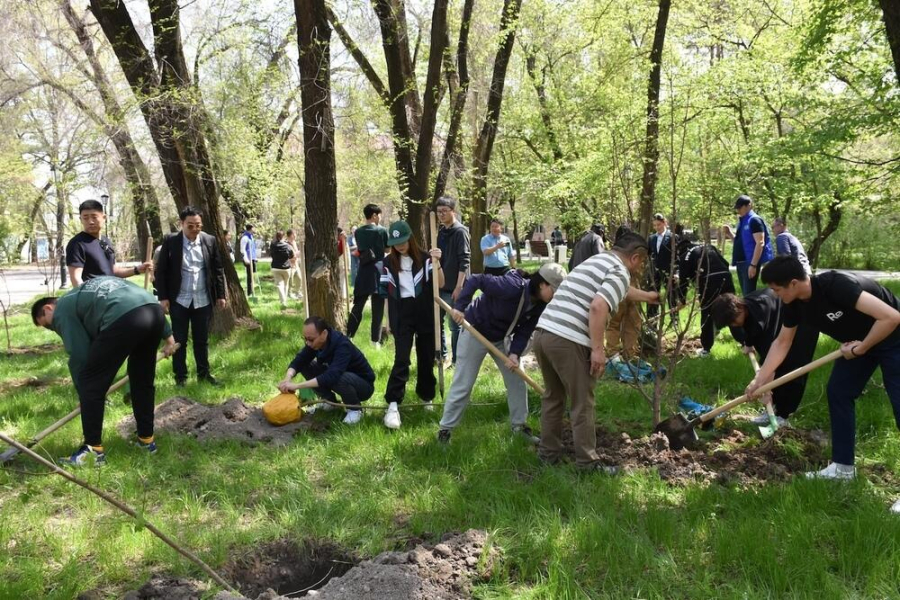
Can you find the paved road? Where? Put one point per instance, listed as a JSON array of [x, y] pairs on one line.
[[22, 283]]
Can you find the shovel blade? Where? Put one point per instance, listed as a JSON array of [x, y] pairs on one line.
[[679, 430]]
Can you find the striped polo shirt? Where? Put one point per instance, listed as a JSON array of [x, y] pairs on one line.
[[566, 315]]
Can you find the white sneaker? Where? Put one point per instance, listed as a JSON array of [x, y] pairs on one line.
[[834, 471], [701, 353], [763, 419], [353, 417], [392, 417], [325, 407], [896, 508], [429, 405]]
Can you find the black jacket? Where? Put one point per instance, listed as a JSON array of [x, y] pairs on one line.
[[281, 254], [662, 259], [456, 254], [168, 267], [706, 266], [339, 356]]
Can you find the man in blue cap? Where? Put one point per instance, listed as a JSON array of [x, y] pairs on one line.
[[751, 244]]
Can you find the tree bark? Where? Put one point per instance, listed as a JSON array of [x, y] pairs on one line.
[[176, 117], [320, 181], [485, 143], [145, 200], [651, 140], [540, 88], [835, 212], [890, 13]]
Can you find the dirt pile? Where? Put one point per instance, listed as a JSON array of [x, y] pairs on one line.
[[735, 457], [160, 588], [232, 420]]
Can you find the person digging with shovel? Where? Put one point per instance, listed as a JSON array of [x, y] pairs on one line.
[[755, 321], [406, 282], [569, 348], [506, 314], [855, 311], [102, 323]]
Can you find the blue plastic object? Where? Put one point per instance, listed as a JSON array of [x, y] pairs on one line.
[[691, 408]]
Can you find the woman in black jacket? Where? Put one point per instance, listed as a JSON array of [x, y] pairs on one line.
[[281, 253], [406, 282]]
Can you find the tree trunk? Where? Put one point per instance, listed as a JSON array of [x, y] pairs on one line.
[[176, 117], [540, 88], [890, 13], [515, 220], [485, 144], [651, 140], [320, 181], [835, 212]]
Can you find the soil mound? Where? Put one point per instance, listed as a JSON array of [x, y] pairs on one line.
[[735, 457], [161, 588], [232, 420]]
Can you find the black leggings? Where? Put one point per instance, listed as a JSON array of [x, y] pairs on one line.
[[134, 336]]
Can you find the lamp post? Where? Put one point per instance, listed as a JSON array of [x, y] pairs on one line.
[[107, 210]]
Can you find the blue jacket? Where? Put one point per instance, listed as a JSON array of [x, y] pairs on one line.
[[749, 243], [494, 310], [337, 357]]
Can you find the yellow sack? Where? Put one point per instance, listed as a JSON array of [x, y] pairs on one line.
[[282, 409]]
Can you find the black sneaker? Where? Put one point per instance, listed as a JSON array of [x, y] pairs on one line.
[[443, 436], [210, 380]]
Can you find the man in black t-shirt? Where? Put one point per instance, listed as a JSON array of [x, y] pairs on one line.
[[371, 240], [90, 255], [860, 314], [755, 321]]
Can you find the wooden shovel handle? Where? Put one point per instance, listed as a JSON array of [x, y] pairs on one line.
[[436, 288], [831, 357], [149, 255], [492, 348]]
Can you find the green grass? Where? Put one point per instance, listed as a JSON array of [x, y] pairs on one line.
[[562, 535]]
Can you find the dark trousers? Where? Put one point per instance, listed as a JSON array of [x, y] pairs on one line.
[[498, 271], [748, 284], [352, 389], [847, 381], [134, 336], [414, 325], [366, 287], [197, 320], [250, 275], [454, 328], [715, 287], [786, 399]]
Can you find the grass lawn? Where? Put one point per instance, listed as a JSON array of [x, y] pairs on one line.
[[562, 534]]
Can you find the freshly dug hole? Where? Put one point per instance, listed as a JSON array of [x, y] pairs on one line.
[[291, 569]]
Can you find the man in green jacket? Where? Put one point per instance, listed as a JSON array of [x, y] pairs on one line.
[[103, 322]]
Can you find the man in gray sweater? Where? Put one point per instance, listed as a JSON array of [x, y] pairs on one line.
[[453, 240]]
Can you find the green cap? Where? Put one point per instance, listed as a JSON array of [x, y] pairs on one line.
[[398, 233]]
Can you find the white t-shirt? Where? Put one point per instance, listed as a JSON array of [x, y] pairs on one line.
[[407, 287], [566, 315]]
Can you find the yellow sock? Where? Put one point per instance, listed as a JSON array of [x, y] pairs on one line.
[[146, 440], [96, 448]]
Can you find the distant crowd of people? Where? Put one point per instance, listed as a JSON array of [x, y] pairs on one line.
[[572, 321]]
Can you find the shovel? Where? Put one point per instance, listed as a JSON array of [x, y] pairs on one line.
[[492, 348], [680, 430], [766, 431], [10, 454], [438, 358]]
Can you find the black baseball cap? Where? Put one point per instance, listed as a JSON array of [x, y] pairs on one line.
[[742, 200]]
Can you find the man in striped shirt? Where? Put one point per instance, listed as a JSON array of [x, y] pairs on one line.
[[569, 341]]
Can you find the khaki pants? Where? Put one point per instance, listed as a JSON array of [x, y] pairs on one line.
[[282, 276], [295, 285], [623, 332], [566, 367]]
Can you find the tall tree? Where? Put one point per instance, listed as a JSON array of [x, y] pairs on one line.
[[320, 181], [484, 146], [651, 139], [176, 117], [890, 14]]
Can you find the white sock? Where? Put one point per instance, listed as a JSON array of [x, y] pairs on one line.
[[392, 406]]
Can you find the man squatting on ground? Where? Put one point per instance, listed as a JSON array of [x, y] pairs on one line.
[[190, 278], [102, 323], [332, 366], [506, 312], [407, 285], [569, 348], [755, 321], [860, 314]]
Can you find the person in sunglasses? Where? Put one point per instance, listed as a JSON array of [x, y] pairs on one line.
[[90, 254]]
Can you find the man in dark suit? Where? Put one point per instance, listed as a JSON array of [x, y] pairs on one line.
[[190, 278], [662, 247]]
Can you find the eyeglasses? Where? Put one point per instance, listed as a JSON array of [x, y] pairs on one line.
[[443, 211]]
